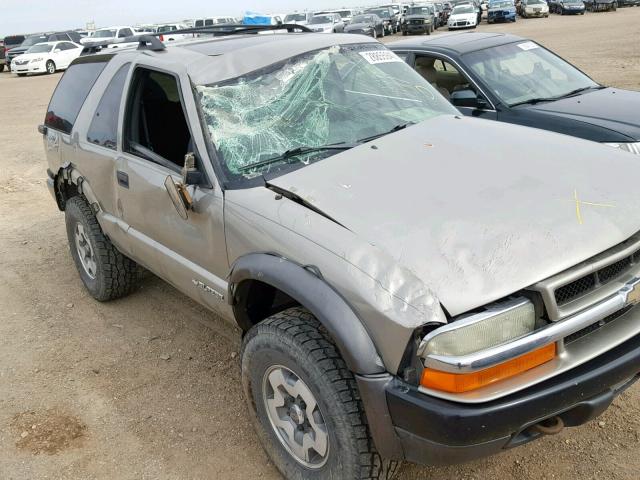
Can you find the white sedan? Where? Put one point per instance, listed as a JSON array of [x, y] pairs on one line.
[[46, 57], [463, 16]]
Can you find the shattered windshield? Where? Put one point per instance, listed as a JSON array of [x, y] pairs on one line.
[[339, 95]]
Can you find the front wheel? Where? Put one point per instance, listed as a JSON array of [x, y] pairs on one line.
[[305, 403], [51, 67]]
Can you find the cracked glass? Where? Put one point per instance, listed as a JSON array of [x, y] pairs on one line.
[[335, 96]]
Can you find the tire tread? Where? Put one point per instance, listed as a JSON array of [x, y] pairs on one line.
[[302, 328]]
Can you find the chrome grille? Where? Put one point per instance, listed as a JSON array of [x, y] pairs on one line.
[[591, 281], [575, 289], [584, 285]]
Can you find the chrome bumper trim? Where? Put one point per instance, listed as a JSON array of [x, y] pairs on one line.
[[553, 332]]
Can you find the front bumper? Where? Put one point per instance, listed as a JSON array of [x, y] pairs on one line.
[[39, 67], [536, 14], [428, 430], [461, 24], [416, 27]]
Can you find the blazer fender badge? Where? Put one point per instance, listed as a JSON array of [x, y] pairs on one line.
[[207, 288]]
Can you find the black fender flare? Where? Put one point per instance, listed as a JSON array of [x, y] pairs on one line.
[[306, 286]]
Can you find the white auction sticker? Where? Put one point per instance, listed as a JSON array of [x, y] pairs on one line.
[[527, 46], [380, 56]]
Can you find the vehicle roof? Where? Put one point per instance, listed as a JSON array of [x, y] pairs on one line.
[[459, 43], [212, 60]]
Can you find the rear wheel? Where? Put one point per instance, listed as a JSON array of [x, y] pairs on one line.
[[105, 272], [305, 403], [51, 67]]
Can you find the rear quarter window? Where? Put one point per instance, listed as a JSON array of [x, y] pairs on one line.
[[71, 92]]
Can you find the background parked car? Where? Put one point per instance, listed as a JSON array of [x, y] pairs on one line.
[[167, 30], [601, 5], [46, 58], [298, 18], [419, 19], [327, 23], [534, 8], [210, 21], [463, 16], [15, 50], [366, 24], [515, 80], [501, 11], [11, 42], [109, 34], [388, 17], [345, 14], [567, 7]]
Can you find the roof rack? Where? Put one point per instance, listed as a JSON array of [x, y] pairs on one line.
[[151, 42], [239, 28]]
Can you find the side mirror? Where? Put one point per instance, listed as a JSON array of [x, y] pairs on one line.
[[467, 98], [190, 174], [57, 50], [179, 196]]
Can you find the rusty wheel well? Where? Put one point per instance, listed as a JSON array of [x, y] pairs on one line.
[[255, 300], [65, 189]]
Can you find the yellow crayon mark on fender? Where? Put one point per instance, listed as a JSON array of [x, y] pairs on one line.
[[591, 204]]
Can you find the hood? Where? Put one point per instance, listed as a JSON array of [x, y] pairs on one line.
[[477, 224], [462, 16], [30, 56], [500, 9], [417, 16], [610, 108]]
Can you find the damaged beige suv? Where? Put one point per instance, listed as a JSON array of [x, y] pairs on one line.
[[404, 294]]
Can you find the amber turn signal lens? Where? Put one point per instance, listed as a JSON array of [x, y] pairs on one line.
[[466, 382]]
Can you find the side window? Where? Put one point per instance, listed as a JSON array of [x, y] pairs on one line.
[[103, 130], [71, 92], [125, 32], [199, 23], [65, 46], [441, 75], [155, 125]]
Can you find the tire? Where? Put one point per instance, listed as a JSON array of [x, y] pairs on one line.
[[51, 67], [293, 345], [105, 272]]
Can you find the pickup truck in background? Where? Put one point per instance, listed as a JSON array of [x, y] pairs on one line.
[[9, 42]]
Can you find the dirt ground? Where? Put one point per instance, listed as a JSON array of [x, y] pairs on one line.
[[147, 387]]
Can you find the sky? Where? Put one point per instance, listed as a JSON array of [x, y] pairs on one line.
[[30, 16]]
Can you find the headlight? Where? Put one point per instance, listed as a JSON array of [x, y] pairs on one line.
[[467, 338], [495, 326], [632, 147], [39, 59]]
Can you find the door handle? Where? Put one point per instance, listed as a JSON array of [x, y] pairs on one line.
[[123, 179]]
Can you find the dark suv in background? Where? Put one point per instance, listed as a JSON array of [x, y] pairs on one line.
[[32, 40], [9, 42]]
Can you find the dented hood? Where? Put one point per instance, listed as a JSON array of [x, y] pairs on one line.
[[475, 209]]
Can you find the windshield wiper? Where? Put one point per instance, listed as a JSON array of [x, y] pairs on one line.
[[295, 152], [533, 101], [579, 90], [394, 129]]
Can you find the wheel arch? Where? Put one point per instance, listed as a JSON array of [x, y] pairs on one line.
[[305, 286], [68, 182]]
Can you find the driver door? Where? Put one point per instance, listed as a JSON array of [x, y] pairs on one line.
[[157, 133]]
